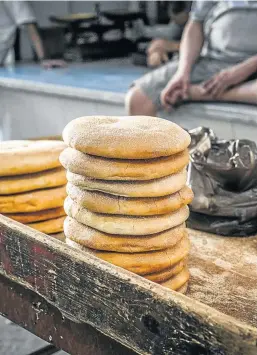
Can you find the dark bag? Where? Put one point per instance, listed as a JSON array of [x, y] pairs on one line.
[[223, 176], [222, 226]]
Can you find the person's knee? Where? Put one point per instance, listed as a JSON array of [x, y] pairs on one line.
[[134, 99], [137, 103]]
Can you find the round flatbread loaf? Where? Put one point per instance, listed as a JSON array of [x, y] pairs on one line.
[[101, 202], [26, 157], [176, 282], [23, 183], [166, 274], [51, 226], [142, 263], [150, 188], [131, 137], [183, 289], [30, 217], [120, 169], [128, 225], [33, 201], [94, 239]]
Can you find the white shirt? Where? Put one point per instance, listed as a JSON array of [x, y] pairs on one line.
[[12, 15], [230, 28]]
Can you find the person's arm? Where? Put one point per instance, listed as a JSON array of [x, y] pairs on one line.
[[190, 46], [190, 49], [39, 49], [193, 35], [36, 41], [230, 77], [22, 15], [243, 70], [240, 72]]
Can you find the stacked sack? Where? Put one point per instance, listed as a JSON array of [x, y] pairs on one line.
[[127, 194], [32, 184]]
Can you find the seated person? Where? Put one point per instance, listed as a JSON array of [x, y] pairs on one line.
[[217, 61], [168, 36]]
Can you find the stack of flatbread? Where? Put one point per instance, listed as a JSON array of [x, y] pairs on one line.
[[32, 184], [127, 194]]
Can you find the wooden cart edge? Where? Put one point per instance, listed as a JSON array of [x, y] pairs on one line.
[[137, 313]]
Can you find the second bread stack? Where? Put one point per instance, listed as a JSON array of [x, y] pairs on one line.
[[127, 194], [32, 183]]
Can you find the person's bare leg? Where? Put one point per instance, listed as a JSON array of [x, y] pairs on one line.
[[246, 92], [137, 103], [196, 92]]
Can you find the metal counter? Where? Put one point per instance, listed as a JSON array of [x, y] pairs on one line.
[[36, 102]]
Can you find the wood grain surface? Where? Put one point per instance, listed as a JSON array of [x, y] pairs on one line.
[[31, 311], [136, 312], [224, 274]]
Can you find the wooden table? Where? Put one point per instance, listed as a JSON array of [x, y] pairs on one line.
[[87, 306]]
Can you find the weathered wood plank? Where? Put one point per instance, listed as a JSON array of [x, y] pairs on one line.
[[224, 274], [146, 317], [31, 311]]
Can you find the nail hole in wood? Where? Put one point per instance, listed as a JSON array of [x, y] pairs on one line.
[[151, 324]]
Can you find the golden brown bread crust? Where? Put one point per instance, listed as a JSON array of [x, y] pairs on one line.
[[166, 274], [132, 137], [33, 201], [94, 239], [145, 188], [50, 226], [30, 217], [101, 202], [29, 182], [142, 263], [176, 282], [26, 157], [120, 169], [128, 225], [183, 288]]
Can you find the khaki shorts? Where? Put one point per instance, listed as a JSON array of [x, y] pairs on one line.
[[154, 82]]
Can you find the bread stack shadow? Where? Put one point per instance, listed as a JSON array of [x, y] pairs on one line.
[[127, 194], [32, 184]]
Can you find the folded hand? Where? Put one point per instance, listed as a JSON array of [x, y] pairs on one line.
[[219, 83], [176, 89]]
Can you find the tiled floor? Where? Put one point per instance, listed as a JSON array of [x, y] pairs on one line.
[[15, 340]]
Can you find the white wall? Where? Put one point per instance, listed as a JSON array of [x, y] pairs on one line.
[[44, 9]]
